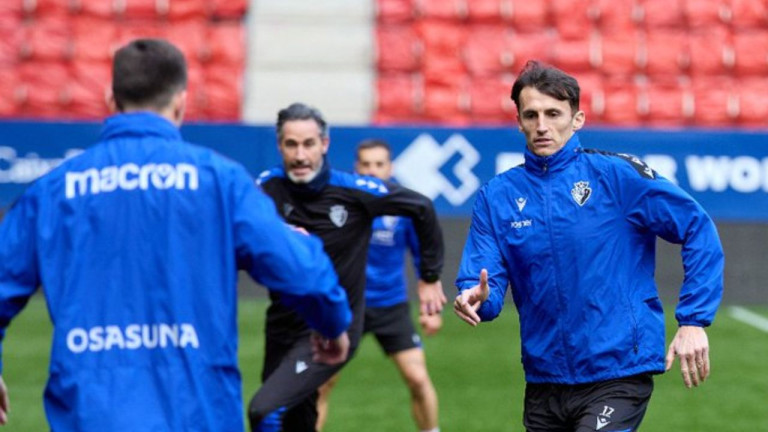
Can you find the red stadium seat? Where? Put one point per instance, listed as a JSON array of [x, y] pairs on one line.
[[11, 37], [573, 19], [179, 10], [46, 39], [451, 10], [41, 85], [716, 101], [577, 54], [446, 103], [399, 97], [131, 30], [620, 54], [749, 14], [488, 50], [223, 93], [753, 111], [751, 53], [489, 100], [398, 48], [395, 11], [96, 8], [94, 39], [616, 17], [490, 11], [226, 42], [227, 9], [84, 97], [662, 13], [668, 103], [711, 51], [191, 37], [704, 14], [664, 52], [196, 96], [529, 15], [442, 42], [46, 8], [9, 92], [591, 98], [141, 9], [531, 46], [621, 103]]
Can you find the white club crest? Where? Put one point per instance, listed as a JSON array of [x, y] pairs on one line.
[[581, 192], [338, 215], [390, 222], [521, 203]]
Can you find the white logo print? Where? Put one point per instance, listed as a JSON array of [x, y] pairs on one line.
[[301, 366], [521, 203], [338, 215], [421, 166], [131, 176], [581, 192], [604, 418]]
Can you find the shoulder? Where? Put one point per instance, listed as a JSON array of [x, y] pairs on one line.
[[504, 180], [365, 184], [621, 163], [267, 175]]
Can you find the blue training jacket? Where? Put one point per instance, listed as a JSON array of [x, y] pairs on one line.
[[137, 243], [385, 283], [574, 235]]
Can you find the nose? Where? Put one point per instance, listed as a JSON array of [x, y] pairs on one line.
[[541, 125]]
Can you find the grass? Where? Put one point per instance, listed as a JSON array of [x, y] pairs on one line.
[[477, 374]]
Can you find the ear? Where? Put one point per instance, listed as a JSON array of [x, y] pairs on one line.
[[519, 124], [109, 98], [179, 106], [578, 120], [326, 144]]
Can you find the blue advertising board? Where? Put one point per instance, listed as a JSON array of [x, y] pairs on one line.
[[726, 171]]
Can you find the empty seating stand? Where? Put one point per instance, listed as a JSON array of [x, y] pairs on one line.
[[55, 55]]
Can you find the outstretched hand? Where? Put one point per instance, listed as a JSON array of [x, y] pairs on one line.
[[691, 345], [431, 297], [329, 351], [469, 301]]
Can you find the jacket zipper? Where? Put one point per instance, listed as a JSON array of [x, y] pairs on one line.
[[560, 300]]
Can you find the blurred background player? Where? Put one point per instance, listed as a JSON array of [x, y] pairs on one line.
[[573, 232], [339, 208], [387, 314], [137, 243]]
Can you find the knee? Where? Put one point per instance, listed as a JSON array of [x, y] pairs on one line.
[[418, 382], [262, 420]]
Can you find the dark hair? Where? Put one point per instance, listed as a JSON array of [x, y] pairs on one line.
[[373, 143], [300, 111], [549, 80], [147, 73]]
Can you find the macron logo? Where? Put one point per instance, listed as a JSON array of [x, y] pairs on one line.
[[131, 176], [301, 366]]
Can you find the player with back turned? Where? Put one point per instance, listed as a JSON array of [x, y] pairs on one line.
[[136, 243]]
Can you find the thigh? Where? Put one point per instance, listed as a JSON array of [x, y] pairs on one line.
[[616, 405], [543, 410], [393, 328]]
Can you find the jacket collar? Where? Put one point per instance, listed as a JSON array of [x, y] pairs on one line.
[[139, 124], [315, 186], [558, 161]]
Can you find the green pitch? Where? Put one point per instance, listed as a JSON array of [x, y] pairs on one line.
[[477, 374]]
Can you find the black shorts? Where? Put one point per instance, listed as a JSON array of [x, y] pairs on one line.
[[613, 405], [393, 328]]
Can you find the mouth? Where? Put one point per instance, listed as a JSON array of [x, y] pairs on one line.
[[300, 170]]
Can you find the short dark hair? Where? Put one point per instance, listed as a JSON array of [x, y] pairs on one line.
[[372, 143], [148, 73], [549, 80], [300, 111]]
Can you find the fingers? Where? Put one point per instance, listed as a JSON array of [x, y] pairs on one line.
[[4, 403], [465, 310]]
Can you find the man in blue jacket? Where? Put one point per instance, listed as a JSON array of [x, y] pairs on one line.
[[137, 243], [387, 312], [573, 232]]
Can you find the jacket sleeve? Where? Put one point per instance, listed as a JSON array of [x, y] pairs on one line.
[[19, 274], [287, 261], [412, 240], [653, 203], [402, 201], [481, 251]]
